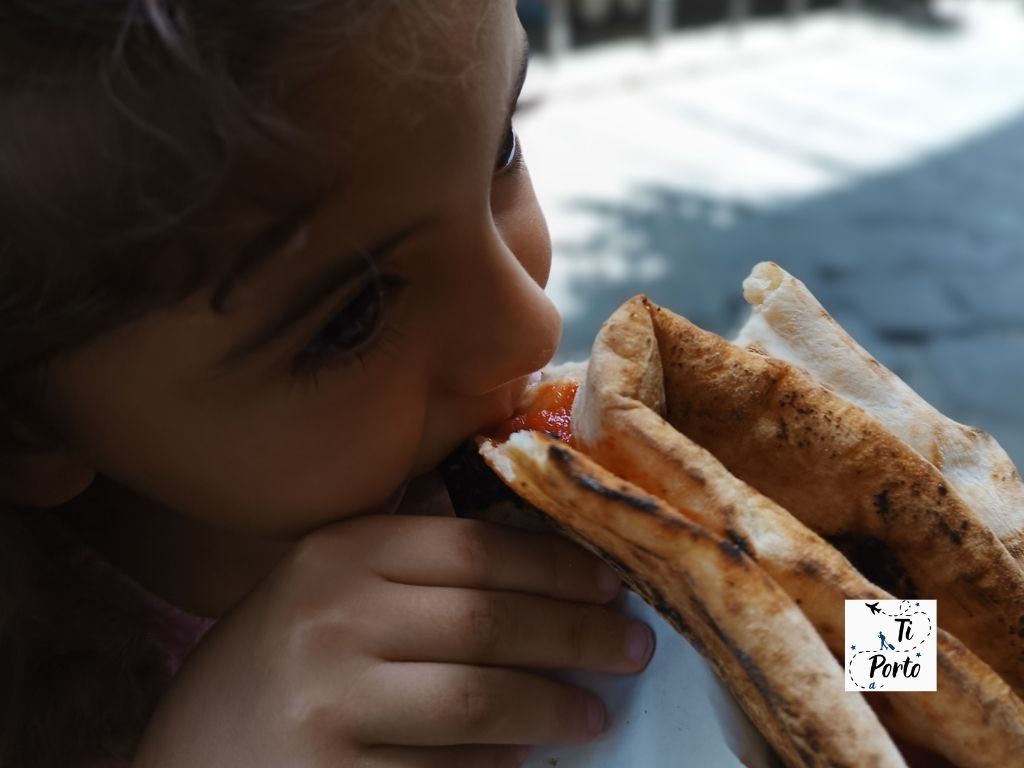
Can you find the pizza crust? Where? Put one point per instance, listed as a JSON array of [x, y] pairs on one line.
[[788, 323], [720, 480], [973, 719]]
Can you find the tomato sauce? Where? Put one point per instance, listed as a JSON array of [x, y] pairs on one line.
[[550, 411]]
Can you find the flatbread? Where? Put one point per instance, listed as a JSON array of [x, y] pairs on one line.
[[850, 480], [973, 719], [788, 323], [755, 636]]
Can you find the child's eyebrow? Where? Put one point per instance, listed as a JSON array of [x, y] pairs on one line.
[[311, 294], [255, 253]]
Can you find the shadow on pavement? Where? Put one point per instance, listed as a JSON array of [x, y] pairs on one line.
[[923, 266]]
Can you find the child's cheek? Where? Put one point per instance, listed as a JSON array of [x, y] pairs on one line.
[[352, 448]]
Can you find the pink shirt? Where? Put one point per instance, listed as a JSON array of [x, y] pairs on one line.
[[174, 633]]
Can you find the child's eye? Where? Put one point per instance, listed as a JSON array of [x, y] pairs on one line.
[[349, 333], [509, 153]]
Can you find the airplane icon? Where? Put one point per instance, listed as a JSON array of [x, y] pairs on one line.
[[873, 607]]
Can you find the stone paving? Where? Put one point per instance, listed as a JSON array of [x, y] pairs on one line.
[[882, 165]]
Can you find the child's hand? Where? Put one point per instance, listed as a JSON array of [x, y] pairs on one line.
[[401, 641]]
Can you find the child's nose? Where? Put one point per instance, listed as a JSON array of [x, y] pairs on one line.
[[507, 328]]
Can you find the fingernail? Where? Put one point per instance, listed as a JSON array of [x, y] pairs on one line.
[[608, 581], [522, 753], [639, 641], [595, 716]]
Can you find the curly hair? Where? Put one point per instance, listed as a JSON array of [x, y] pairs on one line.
[[140, 142]]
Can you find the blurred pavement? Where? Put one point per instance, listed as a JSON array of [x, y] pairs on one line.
[[881, 164]]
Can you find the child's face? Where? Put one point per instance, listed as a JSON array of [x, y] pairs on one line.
[[259, 443]]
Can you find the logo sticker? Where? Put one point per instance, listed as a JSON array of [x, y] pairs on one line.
[[890, 645]]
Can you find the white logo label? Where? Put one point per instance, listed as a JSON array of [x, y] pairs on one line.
[[890, 645]]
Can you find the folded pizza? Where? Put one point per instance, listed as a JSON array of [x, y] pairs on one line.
[[973, 719], [849, 479], [747, 496]]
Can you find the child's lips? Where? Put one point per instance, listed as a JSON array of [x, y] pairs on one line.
[[513, 392], [481, 415], [503, 402], [518, 388]]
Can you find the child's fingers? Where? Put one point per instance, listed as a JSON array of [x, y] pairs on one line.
[[444, 757], [453, 552], [508, 629], [436, 705]]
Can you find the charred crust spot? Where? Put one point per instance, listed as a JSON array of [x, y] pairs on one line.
[[662, 606], [811, 737], [809, 568], [741, 541], [942, 489], [565, 459], [882, 505], [879, 564], [650, 594], [697, 477], [623, 569], [1020, 632], [947, 529], [786, 399], [731, 549], [1021, 619], [752, 670], [648, 552], [973, 576], [783, 433]]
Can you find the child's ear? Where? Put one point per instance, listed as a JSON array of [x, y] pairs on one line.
[[44, 479]]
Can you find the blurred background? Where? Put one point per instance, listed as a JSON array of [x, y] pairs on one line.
[[874, 149]]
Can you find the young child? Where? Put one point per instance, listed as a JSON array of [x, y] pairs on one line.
[[264, 265]]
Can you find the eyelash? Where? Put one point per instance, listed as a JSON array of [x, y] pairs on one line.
[[511, 153], [321, 353]]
